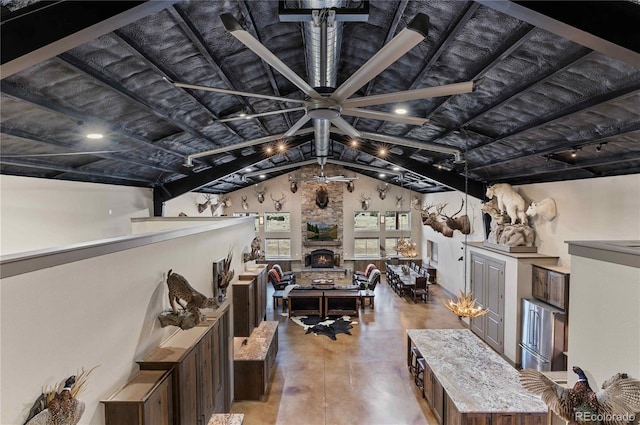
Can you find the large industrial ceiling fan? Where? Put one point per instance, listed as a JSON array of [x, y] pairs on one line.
[[328, 108], [322, 178]]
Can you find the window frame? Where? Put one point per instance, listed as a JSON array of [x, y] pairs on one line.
[[367, 254], [279, 256], [357, 214], [269, 229]]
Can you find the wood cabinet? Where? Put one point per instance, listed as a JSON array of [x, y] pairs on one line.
[[244, 307], [551, 285], [254, 361], [147, 399], [487, 285], [455, 417], [197, 359], [249, 301], [434, 393]]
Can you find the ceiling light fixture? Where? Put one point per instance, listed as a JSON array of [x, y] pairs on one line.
[[95, 136], [382, 175], [401, 111], [282, 147], [382, 152], [574, 153], [396, 168], [269, 149], [600, 145], [248, 169], [263, 176]]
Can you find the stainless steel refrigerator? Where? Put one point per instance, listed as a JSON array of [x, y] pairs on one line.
[[543, 339]]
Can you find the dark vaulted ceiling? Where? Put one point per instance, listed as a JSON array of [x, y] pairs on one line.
[[558, 95]]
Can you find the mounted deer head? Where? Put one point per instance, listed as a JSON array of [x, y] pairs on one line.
[[350, 186], [364, 201], [293, 187], [322, 197], [431, 219], [260, 192], [245, 204], [278, 203], [203, 206], [399, 201], [382, 190]]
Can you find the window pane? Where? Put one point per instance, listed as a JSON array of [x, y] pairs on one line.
[[277, 248], [397, 220], [404, 220], [365, 220], [276, 222], [390, 245], [366, 247]]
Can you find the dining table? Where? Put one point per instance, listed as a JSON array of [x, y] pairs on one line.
[[407, 281]]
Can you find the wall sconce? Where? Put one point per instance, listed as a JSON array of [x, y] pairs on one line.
[[382, 219], [261, 220]]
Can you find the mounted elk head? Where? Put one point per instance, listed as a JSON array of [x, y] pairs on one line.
[[322, 197], [382, 190], [460, 223], [293, 187], [364, 201], [203, 206], [278, 203], [350, 186], [431, 219], [245, 204], [260, 192], [399, 201]]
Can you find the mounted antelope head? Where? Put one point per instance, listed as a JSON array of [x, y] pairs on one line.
[[350, 186], [245, 204], [382, 190], [260, 192], [203, 206], [443, 223], [399, 201], [322, 197], [460, 223], [364, 201], [278, 203]]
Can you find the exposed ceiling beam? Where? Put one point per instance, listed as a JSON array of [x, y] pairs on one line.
[[30, 38], [20, 94], [450, 179], [196, 38], [109, 156], [609, 27]]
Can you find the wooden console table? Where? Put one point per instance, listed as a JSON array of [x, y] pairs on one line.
[[341, 303], [305, 303], [253, 361], [466, 382]]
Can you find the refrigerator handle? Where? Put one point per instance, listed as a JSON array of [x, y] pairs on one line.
[[534, 354], [530, 329], [536, 331]]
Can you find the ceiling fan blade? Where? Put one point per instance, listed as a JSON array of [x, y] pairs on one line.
[[233, 92], [405, 96], [383, 116], [262, 114], [233, 26], [345, 127], [297, 126], [404, 41]]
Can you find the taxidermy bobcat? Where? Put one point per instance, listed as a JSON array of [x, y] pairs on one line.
[[179, 289]]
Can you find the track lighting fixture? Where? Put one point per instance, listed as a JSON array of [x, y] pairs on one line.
[[600, 145]]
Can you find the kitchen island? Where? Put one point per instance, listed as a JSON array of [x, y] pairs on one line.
[[466, 382]]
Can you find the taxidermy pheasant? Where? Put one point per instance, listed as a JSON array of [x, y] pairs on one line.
[[63, 409], [615, 404]]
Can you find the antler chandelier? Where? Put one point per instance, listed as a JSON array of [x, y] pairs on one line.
[[465, 306], [406, 248]]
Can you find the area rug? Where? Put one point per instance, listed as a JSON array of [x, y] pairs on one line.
[[328, 326]]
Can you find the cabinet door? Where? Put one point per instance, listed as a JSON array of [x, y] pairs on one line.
[[205, 377], [494, 298], [158, 409], [188, 389], [539, 283], [219, 348], [558, 289], [428, 385], [478, 288], [438, 400]]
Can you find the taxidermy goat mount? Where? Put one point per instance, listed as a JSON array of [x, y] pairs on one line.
[[179, 289], [509, 224]]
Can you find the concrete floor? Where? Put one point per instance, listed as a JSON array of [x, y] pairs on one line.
[[360, 378]]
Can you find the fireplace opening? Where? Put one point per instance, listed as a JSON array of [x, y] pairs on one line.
[[321, 258]]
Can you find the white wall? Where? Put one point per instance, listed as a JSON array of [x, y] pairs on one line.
[[604, 325], [99, 311], [41, 213]]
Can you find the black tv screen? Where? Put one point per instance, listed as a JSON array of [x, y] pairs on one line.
[[321, 231]]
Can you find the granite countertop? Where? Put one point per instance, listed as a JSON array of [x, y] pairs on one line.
[[257, 345], [474, 376], [226, 419]]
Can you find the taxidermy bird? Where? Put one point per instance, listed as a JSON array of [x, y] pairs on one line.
[[616, 403], [63, 409]]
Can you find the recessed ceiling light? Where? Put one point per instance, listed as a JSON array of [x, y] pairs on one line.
[[94, 136], [401, 111], [263, 176], [396, 168], [382, 151], [248, 169], [382, 175], [354, 143], [269, 149], [282, 147]]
